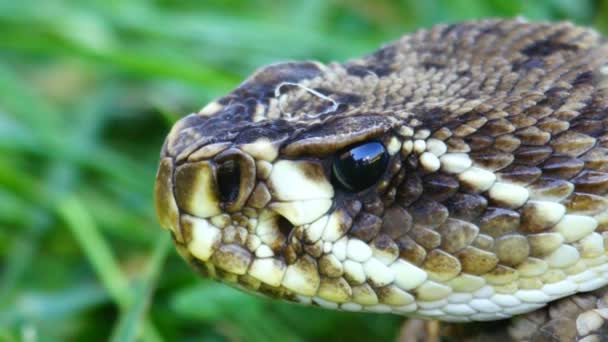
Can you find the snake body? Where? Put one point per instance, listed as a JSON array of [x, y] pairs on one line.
[[492, 202]]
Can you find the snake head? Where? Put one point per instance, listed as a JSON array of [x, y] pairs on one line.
[[264, 196], [443, 176]]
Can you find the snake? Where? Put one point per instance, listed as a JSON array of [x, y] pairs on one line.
[[457, 174]]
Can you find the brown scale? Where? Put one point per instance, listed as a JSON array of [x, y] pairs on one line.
[[367, 226], [439, 187], [411, 251], [519, 174], [396, 222], [551, 188], [498, 221], [596, 159], [466, 206], [385, 247], [592, 182], [493, 160], [562, 167], [456, 235], [441, 265], [484, 242], [428, 238]]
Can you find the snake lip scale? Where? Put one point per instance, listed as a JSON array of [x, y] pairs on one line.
[[459, 173]]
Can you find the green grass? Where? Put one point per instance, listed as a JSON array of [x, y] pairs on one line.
[[88, 89]]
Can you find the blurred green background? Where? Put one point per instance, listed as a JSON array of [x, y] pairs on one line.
[[88, 89]]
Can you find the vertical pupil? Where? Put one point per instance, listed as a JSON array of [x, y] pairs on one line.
[[229, 180]]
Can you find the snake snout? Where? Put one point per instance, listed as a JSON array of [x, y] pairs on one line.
[[210, 187]]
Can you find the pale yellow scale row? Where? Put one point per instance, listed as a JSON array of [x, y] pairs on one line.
[[465, 297]]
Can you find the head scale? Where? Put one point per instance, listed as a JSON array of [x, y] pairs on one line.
[[260, 187]]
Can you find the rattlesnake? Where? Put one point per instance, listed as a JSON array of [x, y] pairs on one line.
[[458, 174]]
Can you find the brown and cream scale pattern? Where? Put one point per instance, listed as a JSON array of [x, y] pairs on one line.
[[493, 204]]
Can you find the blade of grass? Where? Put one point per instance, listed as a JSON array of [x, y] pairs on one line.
[[24, 134], [117, 220], [59, 179], [77, 152], [6, 335], [98, 252], [13, 210], [81, 225], [131, 60], [54, 306], [130, 321]]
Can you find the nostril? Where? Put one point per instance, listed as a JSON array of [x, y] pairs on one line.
[[229, 180]]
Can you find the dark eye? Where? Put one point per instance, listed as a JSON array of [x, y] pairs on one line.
[[361, 166], [229, 180]]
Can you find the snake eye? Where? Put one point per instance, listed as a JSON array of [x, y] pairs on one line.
[[228, 180], [361, 166]]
